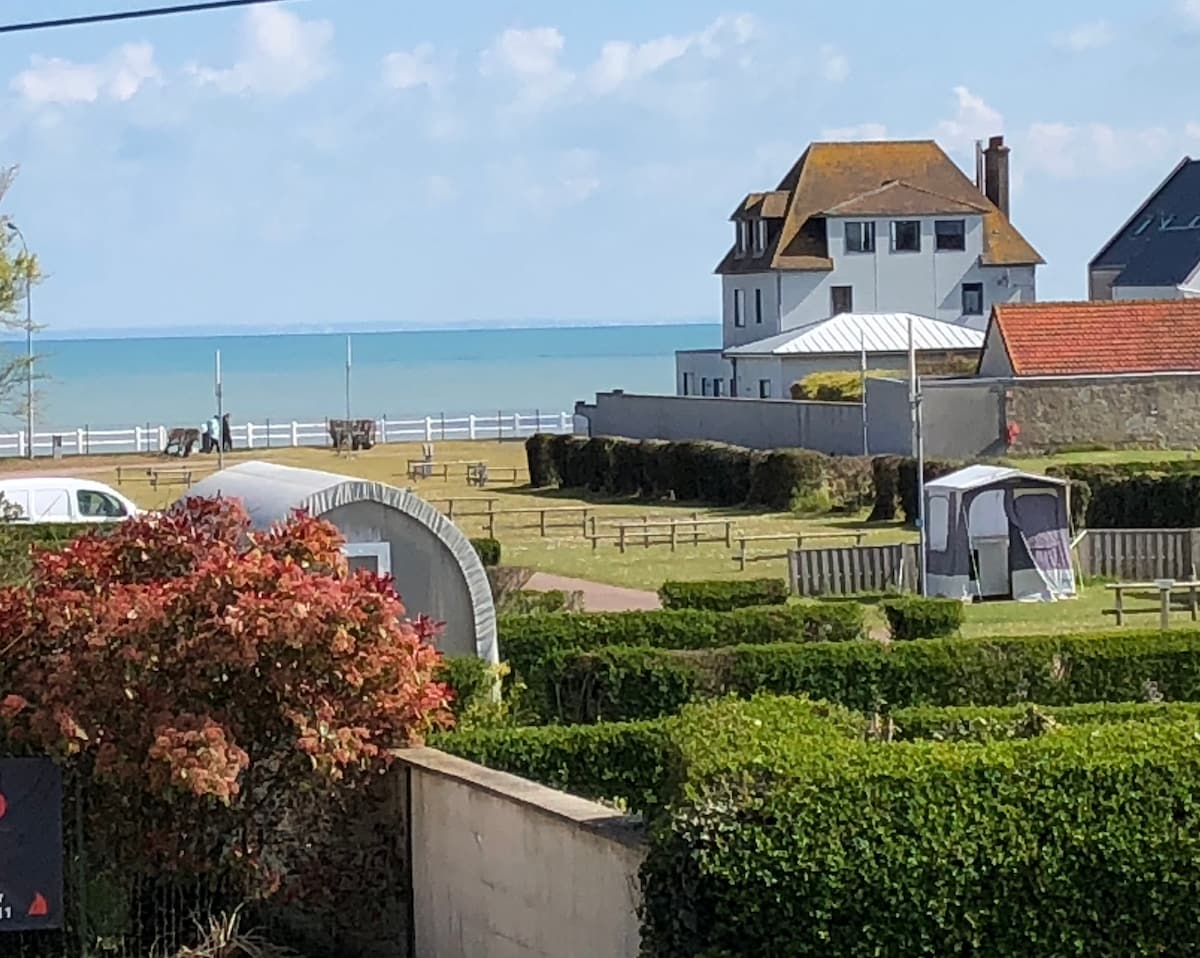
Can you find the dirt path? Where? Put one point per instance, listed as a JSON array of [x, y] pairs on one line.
[[597, 596]]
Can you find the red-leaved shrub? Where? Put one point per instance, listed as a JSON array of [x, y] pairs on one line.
[[207, 683]]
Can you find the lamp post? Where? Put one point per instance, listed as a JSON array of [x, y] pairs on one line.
[[16, 231]]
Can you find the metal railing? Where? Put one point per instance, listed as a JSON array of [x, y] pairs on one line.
[[268, 434]]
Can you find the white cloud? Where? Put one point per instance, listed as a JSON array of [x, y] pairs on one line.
[[1069, 151], [973, 120], [531, 59], [1088, 36], [1190, 10], [863, 131], [119, 77], [835, 67], [281, 55], [411, 69]]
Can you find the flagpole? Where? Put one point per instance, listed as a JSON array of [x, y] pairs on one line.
[[863, 365], [220, 437], [914, 393], [348, 365]]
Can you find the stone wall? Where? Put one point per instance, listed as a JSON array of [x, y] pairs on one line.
[[1160, 412]]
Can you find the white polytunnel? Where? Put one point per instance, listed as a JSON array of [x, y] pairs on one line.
[[387, 530]]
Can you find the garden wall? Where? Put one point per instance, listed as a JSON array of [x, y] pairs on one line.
[[507, 868]]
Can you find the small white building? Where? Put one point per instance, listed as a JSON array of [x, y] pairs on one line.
[[767, 369], [886, 228]]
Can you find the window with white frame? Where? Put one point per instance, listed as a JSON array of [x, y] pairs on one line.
[[375, 557], [860, 237], [704, 386], [972, 299], [743, 237], [760, 237], [764, 389], [758, 307], [739, 307], [689, 383], [717, 387], [950, 235]]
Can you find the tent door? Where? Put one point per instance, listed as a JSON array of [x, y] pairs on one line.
[[994, 577], [373, 556]]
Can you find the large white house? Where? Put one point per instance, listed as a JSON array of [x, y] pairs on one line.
[[864, 228]]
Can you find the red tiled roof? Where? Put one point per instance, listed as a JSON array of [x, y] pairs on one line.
[[1101, 338]]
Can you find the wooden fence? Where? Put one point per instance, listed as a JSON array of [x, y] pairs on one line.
[[1139, 555], [853, 570]]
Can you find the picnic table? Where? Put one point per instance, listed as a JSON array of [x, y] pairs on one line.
[[156, 475], [426, 468], [1165, 588]]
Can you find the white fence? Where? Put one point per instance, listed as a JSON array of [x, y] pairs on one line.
[[271, 434]]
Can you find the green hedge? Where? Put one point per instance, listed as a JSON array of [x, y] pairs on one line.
[[710, 472], [999, 723], [1134, 495], [534, 602], [914, 617], [471, 680], [526, 640], [488, 550], [1084, 842], [894, 485], [625, 761], [635, 683], [723, 596]]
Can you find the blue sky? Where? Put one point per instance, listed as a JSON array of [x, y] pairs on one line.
[[330, 163]]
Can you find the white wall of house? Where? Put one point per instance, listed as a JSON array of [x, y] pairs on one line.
[[995, 362], [1155, 292], [753, 371], [928, 283], [702, 372], [750, 290]]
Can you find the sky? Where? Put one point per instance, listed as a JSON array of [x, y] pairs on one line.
[[347, 163]]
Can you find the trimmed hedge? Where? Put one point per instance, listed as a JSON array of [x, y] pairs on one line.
[[470, 678], [722, 596], [894, 485], [914, 617], [988, 724], [616, 760], [623, 683], [1084, 842], [526, 640], [533, 602], [710, 472], [1134, 495], [489, 551]]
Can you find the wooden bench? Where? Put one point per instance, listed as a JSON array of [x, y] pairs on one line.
[[157, 475], [1165, 588], [743, 556], [427, 468], [480, 474]]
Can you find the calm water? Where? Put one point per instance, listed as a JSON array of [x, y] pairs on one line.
[[123, 382]]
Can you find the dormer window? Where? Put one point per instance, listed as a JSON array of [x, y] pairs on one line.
[[743, 237], [760, 237]]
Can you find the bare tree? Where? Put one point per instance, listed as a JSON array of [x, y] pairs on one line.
[[19, 272]]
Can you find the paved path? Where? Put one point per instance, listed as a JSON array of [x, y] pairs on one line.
[[597, 596]]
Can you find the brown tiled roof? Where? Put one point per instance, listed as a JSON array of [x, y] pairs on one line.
[[1100, 338], [901, 199], [766, 205], [830, 174]]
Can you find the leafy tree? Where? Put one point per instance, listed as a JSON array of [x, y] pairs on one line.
[[19, 270], [213, 687]]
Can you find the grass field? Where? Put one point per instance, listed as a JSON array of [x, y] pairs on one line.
[[566, 552]]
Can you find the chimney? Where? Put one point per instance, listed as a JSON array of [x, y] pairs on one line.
[[979, 176], [995, 164]]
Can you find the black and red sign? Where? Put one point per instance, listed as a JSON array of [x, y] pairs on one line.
[[31, 846]]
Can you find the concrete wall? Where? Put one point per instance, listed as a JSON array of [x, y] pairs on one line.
[[834, 428], [505, 868], [1154, 411], [961, 418]]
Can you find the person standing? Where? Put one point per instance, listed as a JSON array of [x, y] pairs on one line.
[[226, 434], [214, 434], [205, 439]]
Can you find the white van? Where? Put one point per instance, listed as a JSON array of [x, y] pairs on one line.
[[66, 500]]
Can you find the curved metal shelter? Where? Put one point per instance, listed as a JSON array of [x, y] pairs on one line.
[[387, 530]]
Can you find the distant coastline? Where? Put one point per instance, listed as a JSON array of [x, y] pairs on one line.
[[53, 334]]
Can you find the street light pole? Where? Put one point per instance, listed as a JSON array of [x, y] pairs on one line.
[[28, 337]]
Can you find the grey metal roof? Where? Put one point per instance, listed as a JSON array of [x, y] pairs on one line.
[[1158, 245], [271, 493], [975, 477], [876, 332]]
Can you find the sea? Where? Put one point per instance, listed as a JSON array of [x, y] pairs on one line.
[[122, 382]]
